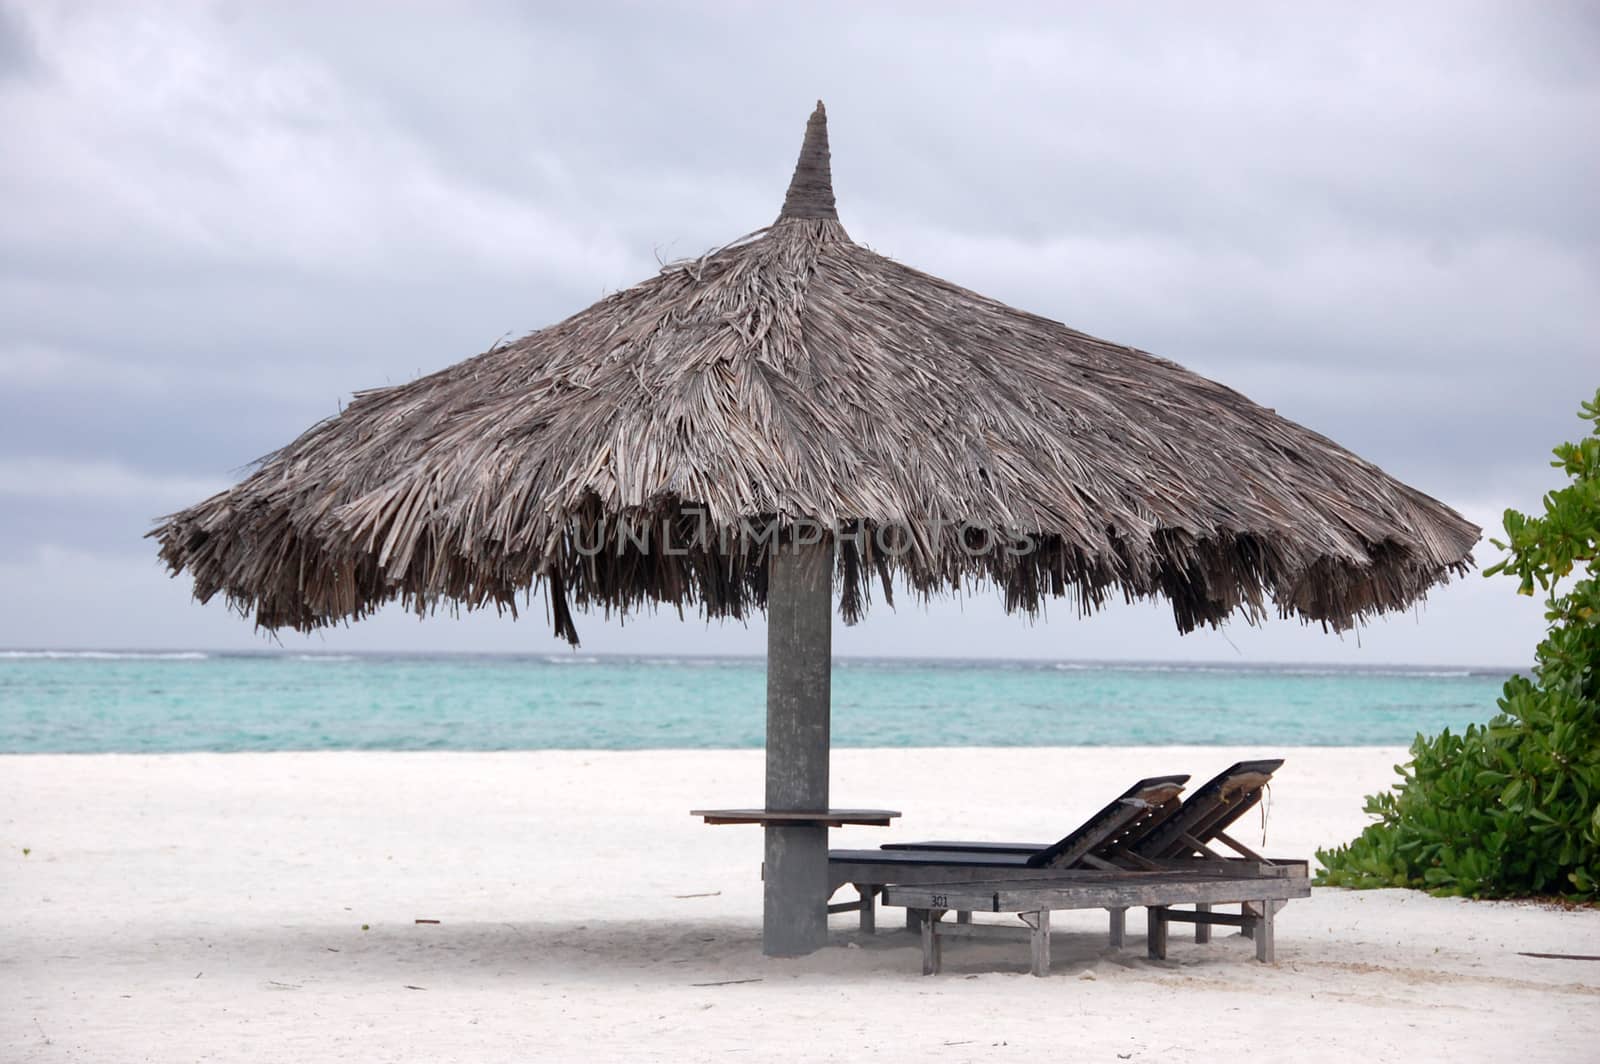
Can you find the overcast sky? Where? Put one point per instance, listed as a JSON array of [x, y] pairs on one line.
[[220, 220]]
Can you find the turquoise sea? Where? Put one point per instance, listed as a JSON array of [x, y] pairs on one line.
[[107, 702]]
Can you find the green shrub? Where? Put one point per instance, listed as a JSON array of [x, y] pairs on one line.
[[1512, 807]]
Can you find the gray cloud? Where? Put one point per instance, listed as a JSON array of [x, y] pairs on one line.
[[225, 219], [17, 56]]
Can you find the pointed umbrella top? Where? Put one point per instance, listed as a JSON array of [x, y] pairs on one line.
[[811, 189], [796, 376]]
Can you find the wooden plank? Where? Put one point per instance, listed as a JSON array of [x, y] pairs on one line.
[[1276, 885], [1235, 845], [1121, 859], [925, 858], [960, 846], [1266, 944], [872, 871], [783, 813], [907, 867], [1210, 919], [1094, 833], [1164, 803], [818, 817], [1197, 846], [916, 858], [932, 946], [1040, 946], [1129, 890], [1000, 932], [1226, 866], [1135, 860], [1156, 933]]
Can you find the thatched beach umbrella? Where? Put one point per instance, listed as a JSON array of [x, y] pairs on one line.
[[794, 415]]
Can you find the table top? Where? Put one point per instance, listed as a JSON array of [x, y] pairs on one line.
[[832, 818]]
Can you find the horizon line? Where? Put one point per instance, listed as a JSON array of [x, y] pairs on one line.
[[579, 652]]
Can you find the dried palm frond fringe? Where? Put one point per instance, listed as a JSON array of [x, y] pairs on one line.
[[798, 377]]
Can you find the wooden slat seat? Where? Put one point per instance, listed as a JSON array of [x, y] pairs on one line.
[[1033, 900]]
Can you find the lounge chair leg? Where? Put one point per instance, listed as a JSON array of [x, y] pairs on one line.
[[1266, 951], [1041, 943], [1202, 932], [932, 948], [869, 908], [963, 916], [1156, 933], [1119, 927]]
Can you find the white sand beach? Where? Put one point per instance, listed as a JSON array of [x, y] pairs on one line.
[[211, 907]]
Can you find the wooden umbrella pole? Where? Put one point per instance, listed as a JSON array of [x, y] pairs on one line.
[[799, 662]]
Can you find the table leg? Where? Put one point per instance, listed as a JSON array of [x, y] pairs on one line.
[[1119, 927]]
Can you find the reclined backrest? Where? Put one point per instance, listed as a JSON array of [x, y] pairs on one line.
[[1212, 808], [1126, 817]]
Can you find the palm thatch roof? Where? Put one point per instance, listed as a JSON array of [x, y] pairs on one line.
[[797, 376]]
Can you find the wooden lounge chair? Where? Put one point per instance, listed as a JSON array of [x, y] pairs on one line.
[[1179, 839], [1185, 833], [1096, 843], [1188, 837], [1218, 803]]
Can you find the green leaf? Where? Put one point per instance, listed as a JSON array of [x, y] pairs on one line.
[[1509, 808]]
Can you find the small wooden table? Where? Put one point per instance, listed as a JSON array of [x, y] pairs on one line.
[[807, 832], [818, 818], [1033, 899]]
